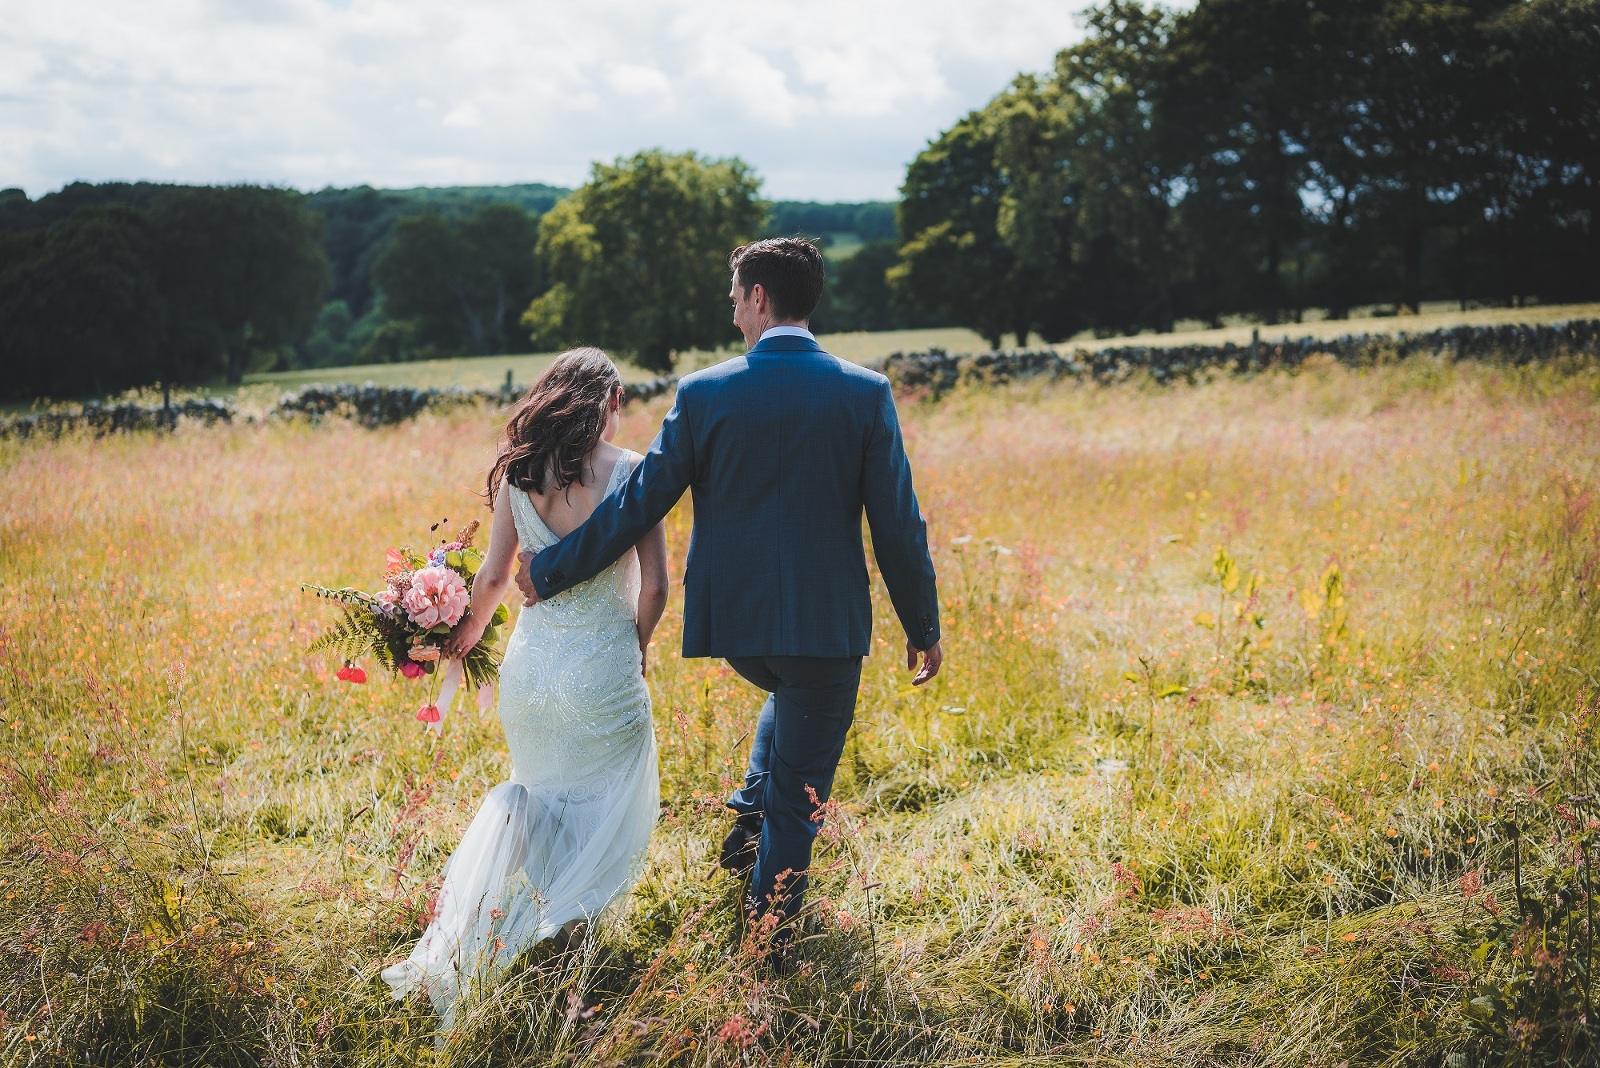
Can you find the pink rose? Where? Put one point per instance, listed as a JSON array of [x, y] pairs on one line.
[[437, 595], [411, 669]]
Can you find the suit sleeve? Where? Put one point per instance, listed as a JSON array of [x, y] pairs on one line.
[[899, 534], [626, 516]]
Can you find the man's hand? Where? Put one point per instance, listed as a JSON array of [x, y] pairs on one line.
[[525, 581], [931, 659]]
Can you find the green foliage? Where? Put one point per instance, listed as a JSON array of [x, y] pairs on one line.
[[953, 264], [638, 256], [1263, 157], [338, 339], [460, 283], [81, 307], [358, 224], [857, 295], [192, 288], [871, 220], [243, 270]]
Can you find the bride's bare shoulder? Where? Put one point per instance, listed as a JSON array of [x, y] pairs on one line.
[[603, 458]]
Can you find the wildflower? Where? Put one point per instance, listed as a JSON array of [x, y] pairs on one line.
[[351, 673], [737, 1032], [437, 595], [428, 713], [394, 561]]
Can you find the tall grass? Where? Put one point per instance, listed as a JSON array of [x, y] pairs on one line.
[[1265, 736]]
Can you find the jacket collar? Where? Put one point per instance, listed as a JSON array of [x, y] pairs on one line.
[[785, 343]]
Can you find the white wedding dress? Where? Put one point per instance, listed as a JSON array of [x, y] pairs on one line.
[[567, 833]]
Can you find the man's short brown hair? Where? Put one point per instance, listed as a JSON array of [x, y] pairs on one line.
[[788, 268]]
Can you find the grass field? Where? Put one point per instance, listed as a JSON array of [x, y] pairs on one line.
[[1265, 737], [488, 372]]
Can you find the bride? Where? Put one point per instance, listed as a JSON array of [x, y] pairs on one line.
[[566, 833]]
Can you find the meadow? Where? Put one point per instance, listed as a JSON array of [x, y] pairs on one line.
[[1265, 736]]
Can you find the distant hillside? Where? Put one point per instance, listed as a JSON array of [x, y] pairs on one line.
[[871, 220], [357, 221]]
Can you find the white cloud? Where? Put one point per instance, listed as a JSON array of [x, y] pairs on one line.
[[828, 99]]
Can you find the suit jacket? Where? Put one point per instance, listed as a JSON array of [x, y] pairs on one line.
[[784, 449]]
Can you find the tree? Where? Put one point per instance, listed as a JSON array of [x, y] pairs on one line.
[[955, 265], [243, 270], [1534, 226], [638, 256], [463, 282], [81, 311], [858, 297], [1241, 78], [1419, 129]]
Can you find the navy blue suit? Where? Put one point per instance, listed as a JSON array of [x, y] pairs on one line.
[[784, 450]]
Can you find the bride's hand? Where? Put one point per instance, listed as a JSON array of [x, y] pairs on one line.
[[463, 638]]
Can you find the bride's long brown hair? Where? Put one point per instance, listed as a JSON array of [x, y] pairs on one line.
[[557, 424]]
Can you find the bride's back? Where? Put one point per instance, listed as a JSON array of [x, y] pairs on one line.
[[564, 510]]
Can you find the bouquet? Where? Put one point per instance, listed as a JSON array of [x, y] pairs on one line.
[[404, 625]]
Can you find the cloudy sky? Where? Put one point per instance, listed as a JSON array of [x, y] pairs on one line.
[[828, 99]]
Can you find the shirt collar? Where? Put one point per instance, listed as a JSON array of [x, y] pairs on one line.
[[785, 331]]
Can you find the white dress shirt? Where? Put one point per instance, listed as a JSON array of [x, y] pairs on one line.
[[785, 331]]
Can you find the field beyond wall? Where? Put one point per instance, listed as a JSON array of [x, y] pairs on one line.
[[1265, 737], [488, 372]]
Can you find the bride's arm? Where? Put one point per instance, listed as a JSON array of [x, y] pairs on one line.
[[493, 578], [652, 586]]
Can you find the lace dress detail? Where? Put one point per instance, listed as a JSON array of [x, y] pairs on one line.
[[566, 834]]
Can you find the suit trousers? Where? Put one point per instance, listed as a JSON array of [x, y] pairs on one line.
[[798, 740]]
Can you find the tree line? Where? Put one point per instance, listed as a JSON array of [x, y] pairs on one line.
[[176, 285], [1263, 157], [1244, 156], [112, 286]]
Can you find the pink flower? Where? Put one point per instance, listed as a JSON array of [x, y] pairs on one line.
[[428, 714], [411, 669], [424, 653], [388, 595], [395, 560], [437, 595], [351, 673]]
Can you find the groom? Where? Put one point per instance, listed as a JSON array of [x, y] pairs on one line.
[[784, 448]]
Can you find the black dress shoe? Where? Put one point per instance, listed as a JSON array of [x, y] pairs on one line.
[[739, 848]]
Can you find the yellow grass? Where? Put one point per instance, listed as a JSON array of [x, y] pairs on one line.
[[1158, 809]]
